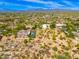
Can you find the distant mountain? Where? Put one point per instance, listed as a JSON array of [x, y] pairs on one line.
[[51, 10], [38, 10]]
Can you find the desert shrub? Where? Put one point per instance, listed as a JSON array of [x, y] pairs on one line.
[[55, 48], [67, 54], [34, 26], [77, 46], [76, 58], [66, 48], [62, 57], [54, 35], [1, 57], [25, 41], [42, 45], [69, 28], [52, 25]]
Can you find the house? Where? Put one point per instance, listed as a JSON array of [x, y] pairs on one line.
[[29, 26], [23, 33], [77, 34], [59, 25], [32, 34], [45, 26]]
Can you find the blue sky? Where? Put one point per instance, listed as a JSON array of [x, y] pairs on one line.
[[41, 4]]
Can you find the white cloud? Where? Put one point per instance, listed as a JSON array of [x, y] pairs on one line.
[[55, 5], [72, 8], [20, 5], [49, 4], [13, 4], [8, 3], [38, 1], [31, 0], [1, 3], [68, 3]]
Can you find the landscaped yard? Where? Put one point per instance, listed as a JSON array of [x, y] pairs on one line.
[[48, 44], [38, 35]]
